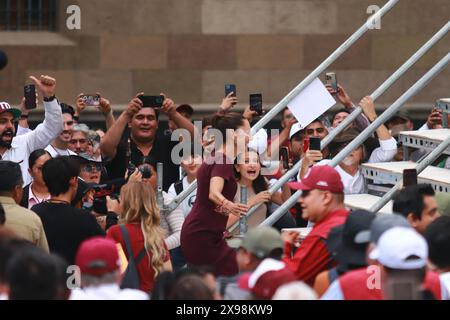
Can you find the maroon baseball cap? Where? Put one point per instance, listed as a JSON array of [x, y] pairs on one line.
[[266, 279], [5, 107], [321, 178], [97, 256]]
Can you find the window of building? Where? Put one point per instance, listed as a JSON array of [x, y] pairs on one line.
[[27, 15]]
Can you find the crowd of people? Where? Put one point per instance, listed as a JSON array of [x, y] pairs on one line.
[[82, 215]]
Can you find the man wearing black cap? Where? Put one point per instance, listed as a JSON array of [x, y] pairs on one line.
[[365, 283], [342, 244]]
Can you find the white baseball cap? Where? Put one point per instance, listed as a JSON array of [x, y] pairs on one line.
[[296, 127], [259, 141], [397, 245]]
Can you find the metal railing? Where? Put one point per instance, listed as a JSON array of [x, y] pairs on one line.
[[422, 165], [386, 115], [375, 95], [302, 85]]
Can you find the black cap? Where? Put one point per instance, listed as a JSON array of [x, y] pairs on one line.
[[350, 252]]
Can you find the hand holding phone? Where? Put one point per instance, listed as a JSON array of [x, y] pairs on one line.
[[152, 101], [29, 92], [230, 88], [331, 79], [314, 143], [256, 103], [284, 155], [91, 99]]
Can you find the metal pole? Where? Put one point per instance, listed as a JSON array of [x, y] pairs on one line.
[[277, 185], [375, 95], [159, 188], [422, 82], [322, 67], [313, 75], [388, 83], [243, 222], [428, 160], [274, 217], [386, 115]]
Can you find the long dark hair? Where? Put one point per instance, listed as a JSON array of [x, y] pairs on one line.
[[35, 155], [259, 184], [230, 120]]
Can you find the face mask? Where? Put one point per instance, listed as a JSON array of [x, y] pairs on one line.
[[348, 161]]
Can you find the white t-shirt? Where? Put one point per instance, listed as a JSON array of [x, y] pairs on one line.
[[56, 152], [107, 292]]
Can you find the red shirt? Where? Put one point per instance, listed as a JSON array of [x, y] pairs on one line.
[[312, 257], [354, 285], [145, 270]]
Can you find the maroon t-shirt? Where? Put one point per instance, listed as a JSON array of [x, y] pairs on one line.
[[202, 239]]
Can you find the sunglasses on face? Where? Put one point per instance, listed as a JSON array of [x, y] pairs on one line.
[[311, 131]]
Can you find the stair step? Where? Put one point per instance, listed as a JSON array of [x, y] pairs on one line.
[[425, 139], [365, 201], [392, 172]]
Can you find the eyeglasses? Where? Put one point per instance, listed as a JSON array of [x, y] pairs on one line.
[[91, 167], [311, 131]]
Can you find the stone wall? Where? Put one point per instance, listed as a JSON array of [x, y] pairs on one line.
[[190, 48]]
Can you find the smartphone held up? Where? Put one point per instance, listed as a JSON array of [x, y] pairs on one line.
[[331, 80], [256, 103], [29, 92], [91, 99], [151, 101]]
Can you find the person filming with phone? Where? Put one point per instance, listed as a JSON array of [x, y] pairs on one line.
[[141, 117], [18, 148]]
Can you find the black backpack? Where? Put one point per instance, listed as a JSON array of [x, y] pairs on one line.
[[178, 186], [131, 279]]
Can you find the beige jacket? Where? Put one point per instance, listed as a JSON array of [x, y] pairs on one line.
[[25, 223]]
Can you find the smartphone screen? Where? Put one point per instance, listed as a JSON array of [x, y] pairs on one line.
[[331, 79], [256, 103], [314, 143], [91, 99], [230, 88], [409, 177], [152, 101], [284, 155], [29, 92]]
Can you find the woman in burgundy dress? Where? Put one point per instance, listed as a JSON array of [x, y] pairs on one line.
[[202, 240]]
